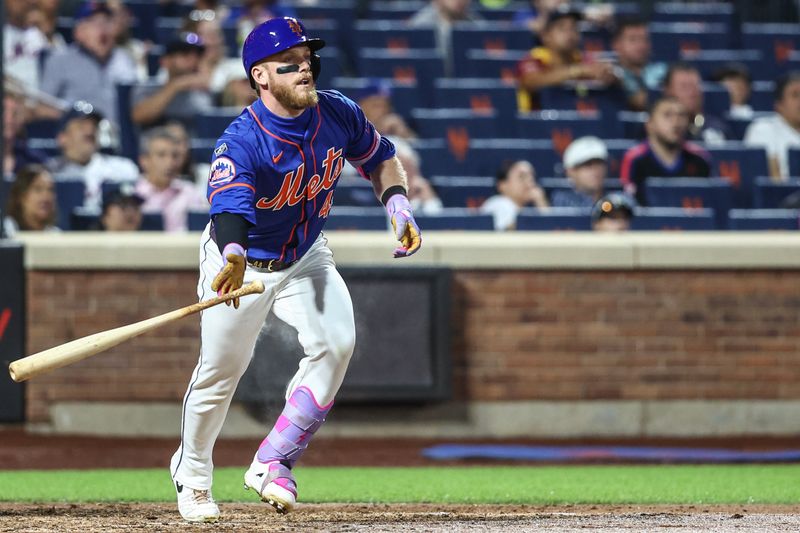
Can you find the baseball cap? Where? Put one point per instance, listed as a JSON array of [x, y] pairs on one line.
[[563, 11], [89, 9], [185, 42], [125, 194], [80, 110], [583, 150], [613, 204]]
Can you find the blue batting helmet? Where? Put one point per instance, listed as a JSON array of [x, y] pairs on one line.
[[273, 36]]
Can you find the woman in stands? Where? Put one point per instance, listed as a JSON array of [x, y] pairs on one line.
[[31, 202]]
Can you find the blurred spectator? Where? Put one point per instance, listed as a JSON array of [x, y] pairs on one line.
[[534, 16], [184, 95], [31, 202], [81, 159], [613, 213], [683, 83], [122, 210], [420, 192], [558, 60], [736, 79], [441, 15], [665, 153], [123, 37], [160, 184], [586, 163], [214, 63], [517, 188], [237, 92], [631, 43], [780, 131], [189, 170], [251, 13], [44, 15], [22, 43], [16, 153], [90, 68], [375, 99]]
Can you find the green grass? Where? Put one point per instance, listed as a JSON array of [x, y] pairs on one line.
[[524, 484]]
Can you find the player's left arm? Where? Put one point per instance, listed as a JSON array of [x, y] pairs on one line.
[[391, 187]]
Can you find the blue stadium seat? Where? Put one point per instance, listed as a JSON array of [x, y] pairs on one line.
[[202, 149], [82, 219], [607, 102], [212, 124], [331, 66], [555, 219], [495, 65], [769, 195], [673, 218], [70, 193], [442, 123], [339, 14], [355, 195], [394, 9], [673, 40], [632, 123], [152, 222], [563, 184], [357, 218], [738, 126], [5, 187], [492, 37], [128, 140], [499, 14], [708, 62], [762, 96], [764, 219], [480, 95], [776, 41], [392, 35], [616, 152], [461, 156], [708, 12], [46, 145], [419, 66], [405, 95], [455, 219], [740, 165], [564, 126], [692, 193], [463, 191], [198, 220]]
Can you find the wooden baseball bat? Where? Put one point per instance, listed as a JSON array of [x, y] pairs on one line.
[[80, 349]]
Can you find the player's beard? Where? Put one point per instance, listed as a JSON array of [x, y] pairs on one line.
[[288, 97]]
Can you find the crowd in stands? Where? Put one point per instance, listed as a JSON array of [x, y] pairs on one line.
[[575, 108]]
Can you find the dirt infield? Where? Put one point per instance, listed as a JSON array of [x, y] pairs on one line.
[[418, 518]]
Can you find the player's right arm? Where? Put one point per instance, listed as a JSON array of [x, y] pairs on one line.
[[231, 191]]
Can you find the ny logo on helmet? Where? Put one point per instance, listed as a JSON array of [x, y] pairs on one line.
[[295, 27]]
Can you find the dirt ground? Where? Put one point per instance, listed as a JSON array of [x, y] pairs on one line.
[[402, 518], [25, 450]]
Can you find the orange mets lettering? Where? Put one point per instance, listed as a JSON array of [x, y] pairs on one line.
[[290, 192]]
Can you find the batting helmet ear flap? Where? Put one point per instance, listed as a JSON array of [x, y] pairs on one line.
[[316, 65]]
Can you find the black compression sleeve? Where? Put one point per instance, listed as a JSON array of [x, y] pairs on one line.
[[229, 228], [391, 191]]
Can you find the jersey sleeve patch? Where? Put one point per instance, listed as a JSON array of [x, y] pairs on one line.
[[223, 171]]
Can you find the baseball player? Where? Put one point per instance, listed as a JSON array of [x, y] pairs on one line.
[[273, 174]]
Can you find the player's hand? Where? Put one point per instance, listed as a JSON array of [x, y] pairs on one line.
[[231, 277], [405, 227]]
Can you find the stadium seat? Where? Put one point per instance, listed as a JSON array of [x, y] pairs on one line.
[[480, 95], [339, 14], [563, 126], [393, 9], [632, 124], [564, 184], [461, 156], [762, 96], [83, 219], [405, 95], [392, 35], [672, 219], [455, 219], [769, 195], [463, 191], [198, 220], [152, 222], [70, 193], [128, 140], [443, 123], [740, 165], [212, 124], [776, 41], [716, 99], [673, 40], [764, 219], [608, 102], [707, 12], [42, 128], [355, 195], [616, 152], [491, 37], [420, 66], [692, 193], [46, 145], [738, 126], [331, 66], [145, 14], [202, 149], [357, 218], [495, 65], [555, 219], [5, 187], [708, 62]]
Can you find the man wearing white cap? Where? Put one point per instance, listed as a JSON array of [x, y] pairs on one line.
[[586, 164]]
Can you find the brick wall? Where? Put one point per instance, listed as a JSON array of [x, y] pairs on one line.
[[517, 335]]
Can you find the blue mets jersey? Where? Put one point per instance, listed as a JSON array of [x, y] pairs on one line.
[[280, 173]]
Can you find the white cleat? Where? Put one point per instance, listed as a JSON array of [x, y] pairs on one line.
[[196, 505], [274, 483]]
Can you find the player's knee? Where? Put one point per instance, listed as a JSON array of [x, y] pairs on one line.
[[341, 346]]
